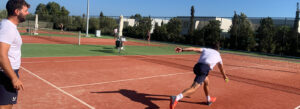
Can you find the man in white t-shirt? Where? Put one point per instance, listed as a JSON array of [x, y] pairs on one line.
[[10, 52], [208, 59]]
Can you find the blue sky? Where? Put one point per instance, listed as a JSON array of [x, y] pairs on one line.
[[219, 8]]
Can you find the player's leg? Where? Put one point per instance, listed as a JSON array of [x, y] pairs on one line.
[[210, 99], [205, 87], [189, 91], [174, 99]]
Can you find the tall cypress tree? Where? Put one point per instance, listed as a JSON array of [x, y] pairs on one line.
[[101, 14], [234, 31], [191, 29], [266, 34], [295, 32]]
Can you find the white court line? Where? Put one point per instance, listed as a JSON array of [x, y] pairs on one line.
[[257, 65], [77, 99], [84, 60], [132, 79]]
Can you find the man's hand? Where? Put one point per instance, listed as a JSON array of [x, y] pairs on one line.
[[178, 49], [18, 84]]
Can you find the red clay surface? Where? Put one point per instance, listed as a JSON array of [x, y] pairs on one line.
[[146, 82], [73, 40]]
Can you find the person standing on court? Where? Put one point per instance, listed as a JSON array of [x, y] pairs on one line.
[[208, 59], [115, 33], [10, 52], [149, 36]]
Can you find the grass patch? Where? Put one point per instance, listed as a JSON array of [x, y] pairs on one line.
[[62, 50]]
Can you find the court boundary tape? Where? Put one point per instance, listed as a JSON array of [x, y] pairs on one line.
[[70, 95]]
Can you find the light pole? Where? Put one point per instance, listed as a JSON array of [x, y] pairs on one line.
[[87, 18]]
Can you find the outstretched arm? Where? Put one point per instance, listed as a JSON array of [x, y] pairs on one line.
[[220, 65], [178, 49]]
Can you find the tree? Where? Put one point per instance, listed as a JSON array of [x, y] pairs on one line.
[[53, 8], [241, 34], [94, 25], [41, 9], [137, 17], [295, 34], [144, 25], [106, 25], [234, 31], [76, 24], [101, 14], [266, 34], [246, 34], [198, 37], [43, 13], [174, 27], [64, 11], [282, 40], [211, 33], [160, 33], [192, 27], [3, 13]]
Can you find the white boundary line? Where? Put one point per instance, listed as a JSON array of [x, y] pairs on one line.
[[132, 79], [83, 60], [77, 99]]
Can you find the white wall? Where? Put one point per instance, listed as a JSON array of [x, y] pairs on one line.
[[130, 22], [158, 21], [225, 24]]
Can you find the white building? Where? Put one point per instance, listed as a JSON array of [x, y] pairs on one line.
[[200, 22], [158, 21], [128, 22]]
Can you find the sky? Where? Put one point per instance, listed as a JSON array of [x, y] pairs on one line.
[[172, 8]]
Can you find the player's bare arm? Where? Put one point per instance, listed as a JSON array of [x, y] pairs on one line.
[[221, 68], [5, 65], [178, 49]]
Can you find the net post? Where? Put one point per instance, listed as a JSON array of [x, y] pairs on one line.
[[79, 36]]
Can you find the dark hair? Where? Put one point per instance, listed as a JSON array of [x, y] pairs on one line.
[[12, 5], [216, 46]]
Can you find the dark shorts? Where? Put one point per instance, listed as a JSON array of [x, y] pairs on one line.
[[8, 94], [201, 71]]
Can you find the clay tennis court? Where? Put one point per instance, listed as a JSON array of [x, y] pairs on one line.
[[146, 82]]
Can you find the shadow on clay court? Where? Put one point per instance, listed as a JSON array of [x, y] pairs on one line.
[[145, 99], [105, 50]]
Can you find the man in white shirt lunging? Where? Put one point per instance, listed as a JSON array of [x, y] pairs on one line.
[[208, 59]]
